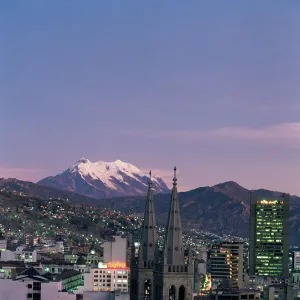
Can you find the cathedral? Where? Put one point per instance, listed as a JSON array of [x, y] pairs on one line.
[[162, 275]]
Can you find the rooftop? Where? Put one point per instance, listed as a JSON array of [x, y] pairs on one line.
[[66, 274]]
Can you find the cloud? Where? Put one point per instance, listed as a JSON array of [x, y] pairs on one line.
[[19, 173], [287, 133]]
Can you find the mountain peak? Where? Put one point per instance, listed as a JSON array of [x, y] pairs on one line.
[[102, 179], [83, 160], [231, 184], [231, 188]]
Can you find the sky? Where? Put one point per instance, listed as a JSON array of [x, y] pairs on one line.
[[209, 86]]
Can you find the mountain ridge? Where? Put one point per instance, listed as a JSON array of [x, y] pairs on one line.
[[214, 209]]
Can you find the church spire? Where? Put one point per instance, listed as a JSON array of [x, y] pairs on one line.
[[173, 247], [149, 237]]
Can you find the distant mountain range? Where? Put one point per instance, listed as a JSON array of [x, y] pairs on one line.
[[104, 180], [222, 209]]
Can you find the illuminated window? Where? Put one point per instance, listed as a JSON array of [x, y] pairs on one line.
[[147, 290]]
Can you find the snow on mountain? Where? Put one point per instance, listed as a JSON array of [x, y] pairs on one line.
[[105, 179]]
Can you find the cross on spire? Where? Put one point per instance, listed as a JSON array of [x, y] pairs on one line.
[[175, 178], [150, 180]]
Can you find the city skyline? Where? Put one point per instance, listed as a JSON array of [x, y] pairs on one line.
[[212, 89]]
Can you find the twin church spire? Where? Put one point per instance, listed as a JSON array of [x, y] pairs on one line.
[[173, 246], [162, 275]]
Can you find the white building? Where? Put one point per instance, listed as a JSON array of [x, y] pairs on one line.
[[59, 247], [108, 277], [296, 260], [105, 296], [202, 253], [115, 250], [21, 254], [31, 285], [3, 244]]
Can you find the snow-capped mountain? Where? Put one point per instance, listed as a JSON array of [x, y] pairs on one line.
[[105, 179]]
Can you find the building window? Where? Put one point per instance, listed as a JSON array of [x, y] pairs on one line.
[[181, 293], [147, 289], [29, 296], [36, 286], [36, 297], [172, 293], [29, 286]]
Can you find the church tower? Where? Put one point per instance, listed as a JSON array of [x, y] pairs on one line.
[[142, 266], [173, 277]]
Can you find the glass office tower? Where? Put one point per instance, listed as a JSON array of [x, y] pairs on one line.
[[269, 238]]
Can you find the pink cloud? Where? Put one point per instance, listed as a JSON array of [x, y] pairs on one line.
[[287, 134], [19, 173]]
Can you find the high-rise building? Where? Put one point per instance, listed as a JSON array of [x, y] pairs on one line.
[[220, 266], [269, 236], [237, 262]]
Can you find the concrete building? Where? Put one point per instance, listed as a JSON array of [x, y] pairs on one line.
[[293, 285], [275, 291], [237, 263], [269, 236], [108, 277], [261, 282], [201, 254], [20, 254], [59, 247], [69, 280], [89, 295], [220, 266], [57, 267], [32, 289], [3, 244], [235, 294], [115, 250], [296, 260]]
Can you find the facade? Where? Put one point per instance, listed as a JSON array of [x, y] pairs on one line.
[[32, 289], [275, 291], [108, 277], [89, 295], [164, 275], [269, 236], [296, 260], [233, 295], [220, 266], [237, 263], [3, 244], [57, 267], [59, 247], [27, 255], [115, 250], [69, 280]]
